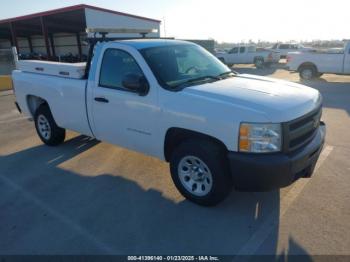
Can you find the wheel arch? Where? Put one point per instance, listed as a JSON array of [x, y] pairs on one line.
[[175, 135], [33, 103]]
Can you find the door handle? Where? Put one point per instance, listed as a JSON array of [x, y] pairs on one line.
[[101, 99]]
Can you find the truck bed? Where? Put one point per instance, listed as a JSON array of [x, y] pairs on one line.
[[66, 97], [67, 70]]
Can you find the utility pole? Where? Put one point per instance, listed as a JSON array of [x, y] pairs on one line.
[[164, 28]]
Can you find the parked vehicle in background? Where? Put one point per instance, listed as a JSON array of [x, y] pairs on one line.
[[315, 63], [219, 51], [175, 101], [248, 54], [284, 49]]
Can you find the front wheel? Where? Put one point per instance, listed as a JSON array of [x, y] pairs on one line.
[[307, 72], [200, 172], [46, 127]]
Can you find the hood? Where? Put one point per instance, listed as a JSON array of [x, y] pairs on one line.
[[278, 100]]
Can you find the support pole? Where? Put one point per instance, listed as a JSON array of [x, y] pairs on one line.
[[79, 47], [30, 44], [52, 42], [14, 41], [46, 37]]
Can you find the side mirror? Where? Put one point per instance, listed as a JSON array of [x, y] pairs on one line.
[[136, 83]]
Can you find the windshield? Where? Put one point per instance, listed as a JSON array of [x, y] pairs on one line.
[[182, 65]]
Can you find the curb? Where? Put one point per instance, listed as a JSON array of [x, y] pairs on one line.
[[5, 82]]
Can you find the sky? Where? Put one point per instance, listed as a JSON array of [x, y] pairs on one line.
[[222, 20]]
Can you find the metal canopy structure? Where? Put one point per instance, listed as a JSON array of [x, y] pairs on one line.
[[64, 20]]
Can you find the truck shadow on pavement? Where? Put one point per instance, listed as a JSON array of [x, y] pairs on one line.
[[46, 209], [335, 94]]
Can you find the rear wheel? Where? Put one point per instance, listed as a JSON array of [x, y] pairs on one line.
[[46, 127], [259, 62], [308, 72], [200, 172]]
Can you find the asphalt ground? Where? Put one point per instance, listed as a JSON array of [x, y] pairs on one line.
[[90, 197]]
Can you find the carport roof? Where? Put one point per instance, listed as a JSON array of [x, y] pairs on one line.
[[63, 20], [72, 8]]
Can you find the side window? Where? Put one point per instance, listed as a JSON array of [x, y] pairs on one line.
[[284, 46], [115, 65], [242, 49], [234, 50]]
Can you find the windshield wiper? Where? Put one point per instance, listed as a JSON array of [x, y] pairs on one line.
[[197, 79], [226, 74], [203, 78]]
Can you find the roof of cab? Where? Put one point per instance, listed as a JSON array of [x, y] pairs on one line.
[[147, 43]]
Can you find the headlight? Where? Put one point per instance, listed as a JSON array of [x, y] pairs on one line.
[[260, 138]]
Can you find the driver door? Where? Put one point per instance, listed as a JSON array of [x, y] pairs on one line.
[[232, 58], [121, 116]]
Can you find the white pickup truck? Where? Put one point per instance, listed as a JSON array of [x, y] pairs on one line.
[[249, 54], [314, 63], [175, 101]]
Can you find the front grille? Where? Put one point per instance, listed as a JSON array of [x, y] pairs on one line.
[[301, 131]]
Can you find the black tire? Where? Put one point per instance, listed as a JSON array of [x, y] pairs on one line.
[[307, 72], [56, 134], [214, 157], [259, 62]]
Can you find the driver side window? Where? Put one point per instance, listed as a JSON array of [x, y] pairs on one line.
[[116, 64]]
